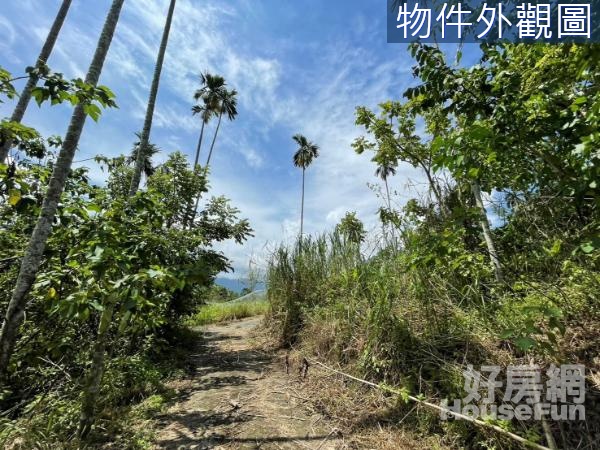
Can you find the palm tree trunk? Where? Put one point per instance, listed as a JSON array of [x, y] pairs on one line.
[[387, 190], [302, 207], [214, 138], [199, 145], [37, 243], [487, 234], [139, 163], [389, 199], [94, 379], [191, 213], [25, 97], [194, 211]]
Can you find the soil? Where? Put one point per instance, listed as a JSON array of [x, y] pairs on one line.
[[240, 397]]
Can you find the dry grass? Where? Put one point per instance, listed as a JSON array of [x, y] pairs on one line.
[[365, 417]]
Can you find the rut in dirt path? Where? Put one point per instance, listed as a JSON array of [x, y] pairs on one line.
[[240, 397]]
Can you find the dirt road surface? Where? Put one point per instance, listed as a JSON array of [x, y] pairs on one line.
[[239, 397]]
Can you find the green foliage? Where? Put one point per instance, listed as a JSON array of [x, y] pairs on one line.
[[56, 90], [225, 312], [521, 124], [6, 87], [23, 137], [215, 294], [108, 251], [306, 153], [351, 228]]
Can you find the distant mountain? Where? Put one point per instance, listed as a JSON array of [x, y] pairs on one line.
[[236, 285], [231, 284]]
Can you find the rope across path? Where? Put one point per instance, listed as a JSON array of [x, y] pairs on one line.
[[430, 405]]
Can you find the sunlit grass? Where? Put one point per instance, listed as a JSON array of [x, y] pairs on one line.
[[224, 312]]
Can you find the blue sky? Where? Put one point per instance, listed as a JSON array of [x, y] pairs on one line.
[[300, 66]]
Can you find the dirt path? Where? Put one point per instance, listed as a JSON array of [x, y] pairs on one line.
[[240, 398]]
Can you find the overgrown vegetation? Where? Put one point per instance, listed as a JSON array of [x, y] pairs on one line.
[[446, 288], [99, 284], [225, 312], [95, 281]]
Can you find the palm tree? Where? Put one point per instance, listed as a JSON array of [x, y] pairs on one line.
[[33, 255], [228, 105], [210, 93], [303, 158], [148, 168], [383, 171], [145, 137], [25, 97], [205, 112]]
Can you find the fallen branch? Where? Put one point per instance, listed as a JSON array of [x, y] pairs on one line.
[[274, 417], [513, 436]]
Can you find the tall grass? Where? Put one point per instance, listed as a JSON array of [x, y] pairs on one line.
[[352, 309], [297, 276], [224, 312], [415, 317]]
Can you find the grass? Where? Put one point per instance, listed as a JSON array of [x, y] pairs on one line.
[[225, 312], [408, 320]]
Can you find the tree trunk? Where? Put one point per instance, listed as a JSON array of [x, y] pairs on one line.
[[487, 234], [144, 139], [302, 207], [214, 138], [435, 189], [389, 199], [37, 243], [94, 378], [199, 145], [25, 97], [195, 210], [191, 213]]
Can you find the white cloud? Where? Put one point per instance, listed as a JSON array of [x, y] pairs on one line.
[[253, 158], [341, 78], [7, 38], [278, 94]]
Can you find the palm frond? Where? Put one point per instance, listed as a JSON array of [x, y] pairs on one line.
[[306, 152]]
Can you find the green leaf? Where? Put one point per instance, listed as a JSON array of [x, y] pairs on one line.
[[93, 111], [587, 247], [473, 173], [506, 334], [154, 273], [38, 94], [94, 207], [556, 246], [97, 306], [525, 343], [14, 196]]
